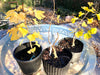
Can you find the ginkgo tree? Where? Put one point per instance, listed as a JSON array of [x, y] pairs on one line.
[[19, 16], [84, 22]]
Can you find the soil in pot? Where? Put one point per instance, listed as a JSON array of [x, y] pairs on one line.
[[67, 43], [56, 66], [29, 63]]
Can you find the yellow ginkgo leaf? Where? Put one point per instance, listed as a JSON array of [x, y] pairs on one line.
[[84, 24], [81, 13], [31, 50], [92, 31], [92, 10], [36, 43], [14, 33], [31, 37], [29, 10], [73, 20], [85, 8], [90, 21], [87, 36], [90, 4], [14, 19], [23, 31], [35, 21], [9, 13], [58, 16], [21, 25], [39, 14], [98, 16], [79, 33], [19, 8], [37, 35], [21, 16]]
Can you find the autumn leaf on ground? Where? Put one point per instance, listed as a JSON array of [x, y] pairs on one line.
[[87, 36], [81, 13], [90, 4], [98, 16], [79, 33], [39, 14], [90, 21], [84, 24]]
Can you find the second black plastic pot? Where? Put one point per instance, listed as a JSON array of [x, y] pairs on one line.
[[29, 63], [58, 66]]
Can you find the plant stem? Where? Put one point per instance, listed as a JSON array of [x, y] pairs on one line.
[[55, 54], [22, 6], [30, 44], [51, 20], [73, 42], [54, 5]]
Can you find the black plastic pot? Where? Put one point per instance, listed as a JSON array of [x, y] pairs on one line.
[[58, 66], [29, 63], [76, 50]]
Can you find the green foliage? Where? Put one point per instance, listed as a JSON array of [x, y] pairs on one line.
[[4, 27], [73, 5], [48, 3], [64, 12]]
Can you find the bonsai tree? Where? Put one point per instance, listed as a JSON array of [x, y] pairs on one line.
[[21, 17], [84, 21], [30, 51]]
